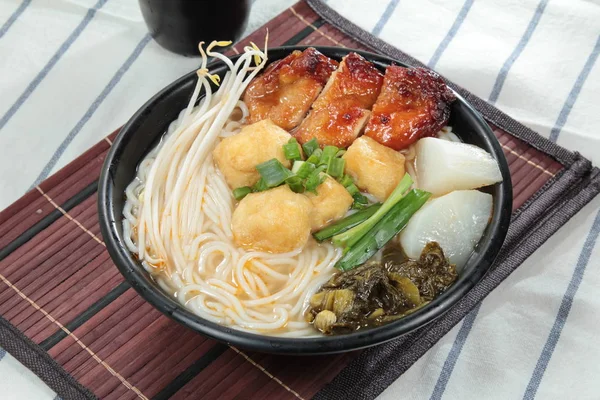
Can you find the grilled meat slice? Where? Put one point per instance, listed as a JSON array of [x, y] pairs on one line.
[[414, 103], [288, 87], [356, 80], [340, 113]]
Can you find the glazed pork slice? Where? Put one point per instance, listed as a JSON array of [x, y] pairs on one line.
[[288, 87], [414, 103], [356, 80], [340, 113], [337, 124]]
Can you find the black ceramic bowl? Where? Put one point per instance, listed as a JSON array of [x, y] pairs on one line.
[[144, 129]]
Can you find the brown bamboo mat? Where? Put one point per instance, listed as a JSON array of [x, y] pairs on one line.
[[62, 291]]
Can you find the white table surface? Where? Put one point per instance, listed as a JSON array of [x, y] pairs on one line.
[[72, 71]]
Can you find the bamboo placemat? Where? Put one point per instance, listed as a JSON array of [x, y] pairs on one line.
[[65, 306]]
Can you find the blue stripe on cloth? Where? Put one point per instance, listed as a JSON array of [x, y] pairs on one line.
[[11, 20], [461, 338], [462, 14], [92, 109], [517, 51], [563, 311], [465, 329], [574, 93], [57, 398], [385, 17], [51, 63], [2, 353]]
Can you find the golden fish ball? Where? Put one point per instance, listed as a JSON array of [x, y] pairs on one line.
[[237, 156], [374, 167], [331, 203], [276, 221]]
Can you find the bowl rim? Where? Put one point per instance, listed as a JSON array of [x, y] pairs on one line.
[[134, 273]]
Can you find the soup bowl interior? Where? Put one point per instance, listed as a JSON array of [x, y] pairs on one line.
[[143, 131]]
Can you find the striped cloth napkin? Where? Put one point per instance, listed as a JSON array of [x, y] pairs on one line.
[[537, 335], [74, 70]]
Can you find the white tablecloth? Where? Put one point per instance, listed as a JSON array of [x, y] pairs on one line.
[[73, 70], [537, 335]]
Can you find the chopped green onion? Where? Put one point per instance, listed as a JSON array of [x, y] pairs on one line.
[[296, 166], [321, 168], [291, 150], [314, 160], [336, 167], [315, 179], [315, 157], [312, 182], [241, 192], [329, 152], [350, 237], [352, 189], [273, 172], [310, 146], [346, 223], [360, 201], [260, 186], [340, 153], [295, 183], [346, 180], [383, 231], [303, 168]]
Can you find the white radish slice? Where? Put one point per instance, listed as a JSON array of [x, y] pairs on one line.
[[444, 166], [456, 221]]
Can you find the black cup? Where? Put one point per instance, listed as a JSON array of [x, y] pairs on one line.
[[179, 25]]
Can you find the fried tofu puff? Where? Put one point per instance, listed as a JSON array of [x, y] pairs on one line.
[[340, 113], [237, 156], [276, 221], [288, 87], [375, 168], [331, 203], [414, 103]]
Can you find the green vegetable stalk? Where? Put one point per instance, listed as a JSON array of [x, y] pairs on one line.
[[346, 223], [352, 236], [383, 231]]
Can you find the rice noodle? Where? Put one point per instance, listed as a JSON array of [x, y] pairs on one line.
[[177, 220], [446, 134]]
